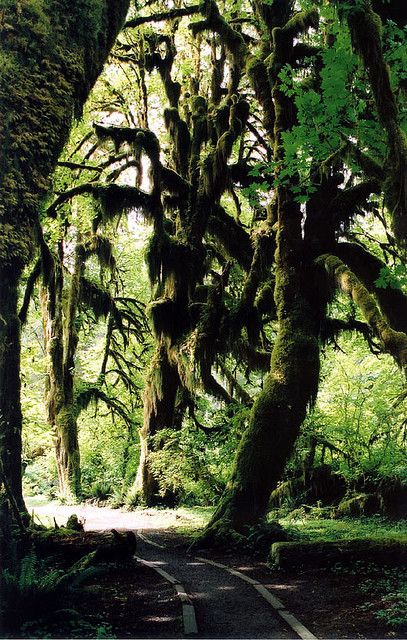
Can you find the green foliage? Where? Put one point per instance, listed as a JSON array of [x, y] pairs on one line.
[[366, 423], [194, 464], [395, 278], [30, 593], [31, 599], [315, 524]]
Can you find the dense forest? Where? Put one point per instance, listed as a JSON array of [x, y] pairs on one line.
[[203, 281]]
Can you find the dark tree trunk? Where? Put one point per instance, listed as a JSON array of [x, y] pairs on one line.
[[10, 408], [289, 388]]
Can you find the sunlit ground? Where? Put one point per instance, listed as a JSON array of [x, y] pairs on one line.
[[183, 519], [187, 520]]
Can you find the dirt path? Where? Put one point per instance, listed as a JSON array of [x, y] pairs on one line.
[[225, 606], [330, 605]]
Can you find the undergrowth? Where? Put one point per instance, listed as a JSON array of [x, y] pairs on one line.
[[31, 597], [386, 588]]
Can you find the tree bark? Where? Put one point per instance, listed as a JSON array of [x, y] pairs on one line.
[[10, 408], [292, 382], [289, 388]]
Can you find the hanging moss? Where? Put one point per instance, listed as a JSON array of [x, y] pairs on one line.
[[95, 298], [115, 199], [102, 248], [136, 138], [181, 139], [167, 257], [365, 28], [301, 21], [169, 319]]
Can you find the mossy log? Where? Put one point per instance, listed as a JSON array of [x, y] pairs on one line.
[[364, 504], [316, 555]]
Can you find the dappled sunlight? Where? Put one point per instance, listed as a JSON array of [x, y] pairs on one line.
[[282, 587]]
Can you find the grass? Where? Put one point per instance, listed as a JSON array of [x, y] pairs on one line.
[[317, 529]]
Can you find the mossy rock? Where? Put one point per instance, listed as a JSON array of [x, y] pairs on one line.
[[363, 504], [393, 498], [317, 555]]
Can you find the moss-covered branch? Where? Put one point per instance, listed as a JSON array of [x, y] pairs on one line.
[[163, 16], [367, 267], [393, 342]]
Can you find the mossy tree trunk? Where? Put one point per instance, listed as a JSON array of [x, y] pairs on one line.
[[159, 407], [60, 347], [289, 388], [39, 92], [292, 383]]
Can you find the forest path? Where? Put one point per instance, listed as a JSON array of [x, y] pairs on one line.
[[225, 605]]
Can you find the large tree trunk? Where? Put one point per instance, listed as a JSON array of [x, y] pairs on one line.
[[159, 405], [289, 388], [292, 382], [10, 409], [67, 453], [60, 338], [39, 92]]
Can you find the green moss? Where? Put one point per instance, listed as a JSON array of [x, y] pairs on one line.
[[51, 56], [296, 555]]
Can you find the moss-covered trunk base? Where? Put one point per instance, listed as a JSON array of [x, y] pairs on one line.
[[159, 406], [10, 407], [67, 456]]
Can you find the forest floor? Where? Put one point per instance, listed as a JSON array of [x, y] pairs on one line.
[[140, 603]]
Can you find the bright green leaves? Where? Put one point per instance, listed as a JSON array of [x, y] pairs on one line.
[[394, 278]]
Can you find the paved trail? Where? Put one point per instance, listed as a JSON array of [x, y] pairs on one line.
[[225, 606]]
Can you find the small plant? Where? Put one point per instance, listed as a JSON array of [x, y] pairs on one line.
[[101, 490], [386, 588], [28, 593], [31, 597], [391, 585]]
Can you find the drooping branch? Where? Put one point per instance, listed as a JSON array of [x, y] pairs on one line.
[[238, 390], [163, 16], [233, 238], [114, 198], [367, 268], [348, 201], [393, 342], [29, 289], [93, 394]]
